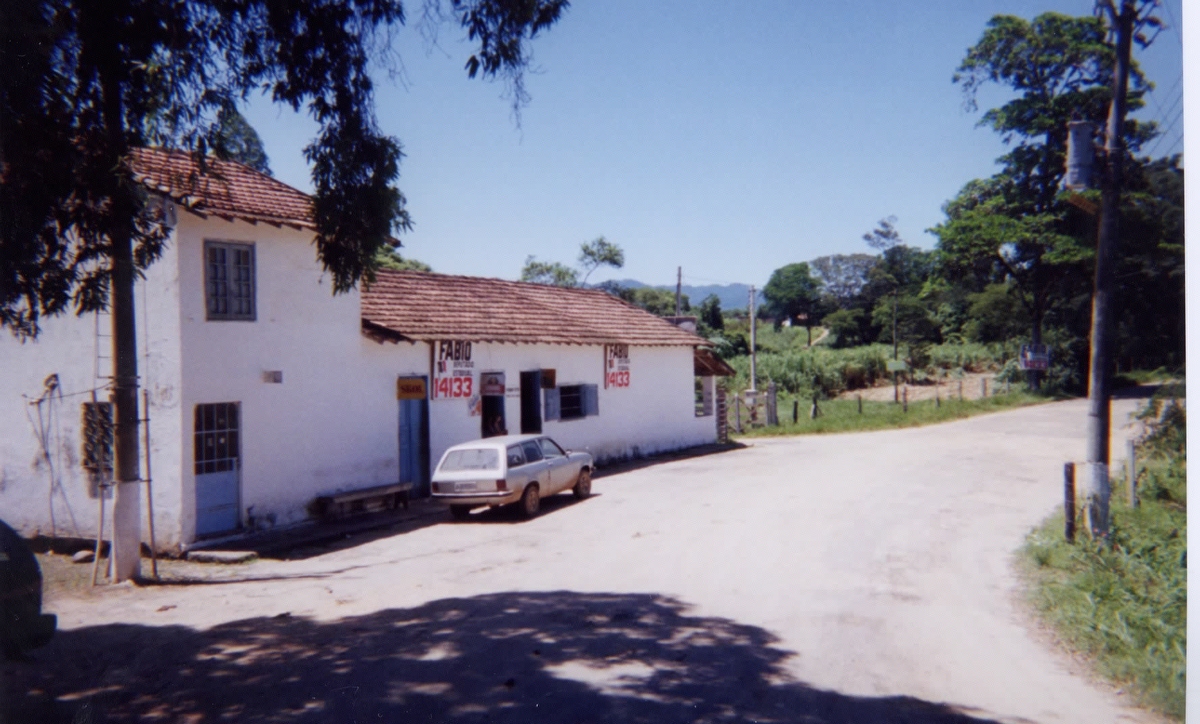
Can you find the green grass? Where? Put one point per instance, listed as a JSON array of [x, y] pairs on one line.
[[1124, 604], [843, 415]]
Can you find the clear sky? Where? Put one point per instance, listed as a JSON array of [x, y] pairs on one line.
[[728, 138]]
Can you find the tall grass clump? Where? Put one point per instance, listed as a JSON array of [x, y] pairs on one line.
[[1123, 601]]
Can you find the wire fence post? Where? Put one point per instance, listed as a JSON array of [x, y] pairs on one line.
[[1069, 501]]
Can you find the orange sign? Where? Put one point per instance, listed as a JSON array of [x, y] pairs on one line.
[[410, 388]]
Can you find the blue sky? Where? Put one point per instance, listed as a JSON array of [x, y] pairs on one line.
[[727, 138]]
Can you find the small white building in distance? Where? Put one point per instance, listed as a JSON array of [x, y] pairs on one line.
[[266, 391]]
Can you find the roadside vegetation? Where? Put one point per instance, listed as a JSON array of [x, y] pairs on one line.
[[1123, 602]]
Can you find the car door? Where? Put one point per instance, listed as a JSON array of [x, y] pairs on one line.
[[562, 471], [537, 466]]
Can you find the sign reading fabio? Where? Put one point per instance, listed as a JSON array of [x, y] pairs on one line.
[[453, 371], [616, 365]]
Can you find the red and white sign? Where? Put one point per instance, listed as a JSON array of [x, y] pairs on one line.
[[1034, 357], [616, 365], [453, 371]]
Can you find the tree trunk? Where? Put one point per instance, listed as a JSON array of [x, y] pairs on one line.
[[127, 523]]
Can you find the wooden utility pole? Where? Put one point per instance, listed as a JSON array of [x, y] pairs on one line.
[[1100, 373], [753, 344], [895, 345], [679, 292]]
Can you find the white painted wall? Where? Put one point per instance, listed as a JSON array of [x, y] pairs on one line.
[[67, 347], [655, 413], [331, 425]]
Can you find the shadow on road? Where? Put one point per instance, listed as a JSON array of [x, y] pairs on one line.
[[509, 657]]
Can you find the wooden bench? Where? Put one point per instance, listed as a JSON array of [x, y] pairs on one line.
[[379, 497]]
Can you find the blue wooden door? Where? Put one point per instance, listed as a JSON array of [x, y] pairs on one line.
[[218, 467], [414, 445]]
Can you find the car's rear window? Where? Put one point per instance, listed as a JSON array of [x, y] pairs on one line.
[[478, 459]]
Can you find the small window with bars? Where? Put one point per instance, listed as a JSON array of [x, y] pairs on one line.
[[97, 428], [229, 280], [216, 437]]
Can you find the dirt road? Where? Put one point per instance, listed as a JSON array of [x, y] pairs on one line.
[[861, 578]]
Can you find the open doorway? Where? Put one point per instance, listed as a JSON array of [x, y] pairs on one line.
[[493, 416], [531, 402]]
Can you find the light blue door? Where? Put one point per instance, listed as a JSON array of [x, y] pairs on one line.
[[218, 467], [414, 445]]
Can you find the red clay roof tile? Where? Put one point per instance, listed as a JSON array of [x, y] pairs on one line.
[[427, 307], [227, 189]]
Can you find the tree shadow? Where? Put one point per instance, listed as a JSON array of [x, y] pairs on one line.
[[554, 656]]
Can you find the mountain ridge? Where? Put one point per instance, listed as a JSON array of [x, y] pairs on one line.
[[732, 296]]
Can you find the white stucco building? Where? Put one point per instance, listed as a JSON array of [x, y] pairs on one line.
[[266, 391]]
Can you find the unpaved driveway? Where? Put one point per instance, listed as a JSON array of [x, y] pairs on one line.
[[862, 578]]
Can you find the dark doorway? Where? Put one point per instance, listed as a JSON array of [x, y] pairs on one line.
[[493, 416], [531, 402]]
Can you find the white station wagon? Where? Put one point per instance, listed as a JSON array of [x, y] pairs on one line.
[[509, 469]]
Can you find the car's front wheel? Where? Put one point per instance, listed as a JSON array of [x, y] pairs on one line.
[[583, 484], [460, 512], [531, 501]]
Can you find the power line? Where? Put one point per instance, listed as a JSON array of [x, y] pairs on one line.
[[1173, 25], [1158, 141]]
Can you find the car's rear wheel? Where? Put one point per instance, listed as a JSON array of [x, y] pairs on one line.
[[531, 501], [460, 512], [583, 484]]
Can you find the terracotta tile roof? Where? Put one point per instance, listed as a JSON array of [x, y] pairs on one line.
[[228, 189], [425, 307]]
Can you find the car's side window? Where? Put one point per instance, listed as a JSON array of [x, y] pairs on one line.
[[516, 458], [550, 449], [533, 453]]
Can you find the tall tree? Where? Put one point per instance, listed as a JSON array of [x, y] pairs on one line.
[[793, 293], [709, 313], [843, 276], [87, 81], [598, 253], [592, 255], [1014, 226], [884, 236], [552, 273], [388, 258], [238, 141]]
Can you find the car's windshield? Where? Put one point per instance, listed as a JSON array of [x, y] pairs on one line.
[[471, 459]]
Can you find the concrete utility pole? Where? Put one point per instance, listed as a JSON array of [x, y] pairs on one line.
[[1100, 373], [753, 353], [679, 292]]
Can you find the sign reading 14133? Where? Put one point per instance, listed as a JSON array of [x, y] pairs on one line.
[[616, 365], [453, 371]]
